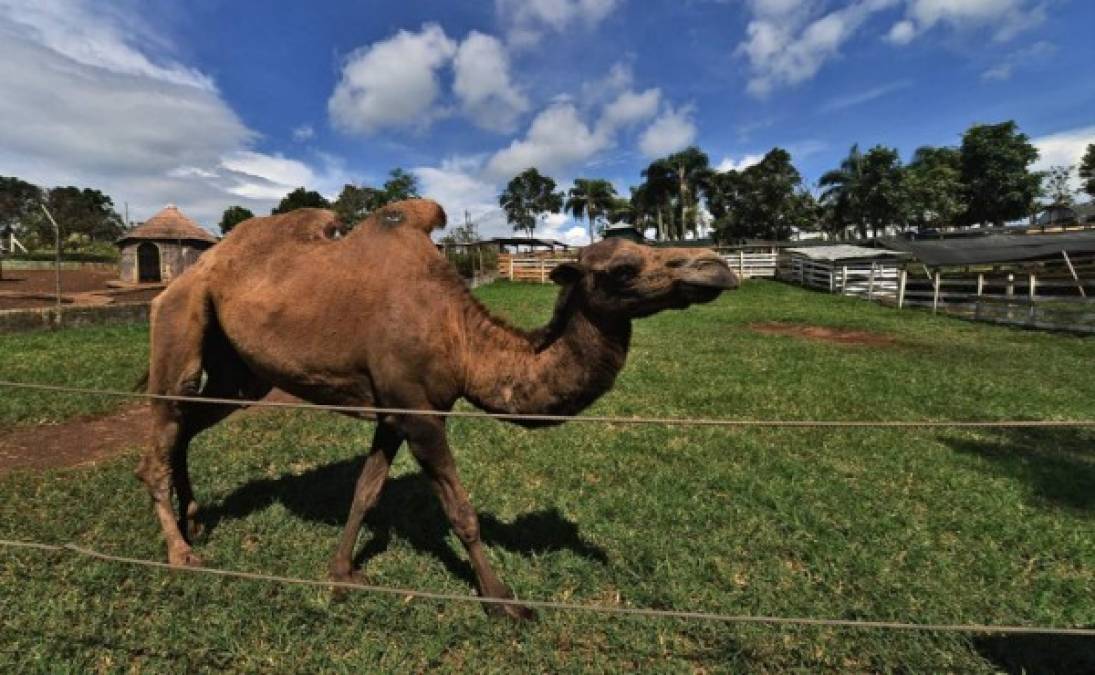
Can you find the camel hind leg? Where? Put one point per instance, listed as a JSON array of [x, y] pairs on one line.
[[185, 343]]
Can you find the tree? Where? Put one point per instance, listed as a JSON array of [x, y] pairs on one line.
[[840, 194], [882, 189], [1087, 171], [79, 211], [933, 187], [999, 185], [355, 202], [766, 200], [653, 200], [681, 178], [400, 185], [232, 216], [18, 200], [300, 199], [528, 197], [1055, 186], [590, 198]]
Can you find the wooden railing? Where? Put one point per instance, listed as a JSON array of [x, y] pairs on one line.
[[529, 267]]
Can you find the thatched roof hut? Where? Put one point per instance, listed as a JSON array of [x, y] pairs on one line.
[[159, 249]]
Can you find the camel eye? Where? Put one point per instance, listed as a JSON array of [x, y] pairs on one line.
[[393, 216], [625, 271]]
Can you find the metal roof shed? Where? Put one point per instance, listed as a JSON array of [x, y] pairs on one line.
[[843, 268]]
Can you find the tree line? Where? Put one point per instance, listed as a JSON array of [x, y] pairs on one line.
[[87, 216], [985, 180]]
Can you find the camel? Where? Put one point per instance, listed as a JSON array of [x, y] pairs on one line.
[[374, 315]]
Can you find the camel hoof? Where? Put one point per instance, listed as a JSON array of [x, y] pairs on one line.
[[514, 612], [351, 577], [185, 558], [518, 613]]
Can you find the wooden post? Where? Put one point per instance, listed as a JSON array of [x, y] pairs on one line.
[[980, 283], [1011, 284], [870, 283], [56, 261], [1032, 284], [511, 268], [741, 264], [1075, 277], [935, 294], [901, 279], [543, 273], [843, 279]]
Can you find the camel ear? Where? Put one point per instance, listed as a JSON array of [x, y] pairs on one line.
[[567, 273]]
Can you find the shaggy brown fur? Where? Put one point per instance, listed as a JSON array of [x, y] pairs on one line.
[[375, 316]]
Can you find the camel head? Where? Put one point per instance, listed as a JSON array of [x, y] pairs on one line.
[[618, 278]]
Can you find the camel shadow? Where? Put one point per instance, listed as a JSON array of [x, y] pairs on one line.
[[1038, 653], [408, 508], [1058, 465]]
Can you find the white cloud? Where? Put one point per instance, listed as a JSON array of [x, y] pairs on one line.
[[86, 107], [483, 84], [527, 21], [859, 98], [630, 108], [784, 47], [392, 83], [673, 130], [96, 37], [1004, 18], [1025, 58], [557, 137], [1065, 148], [731, 164], [304, 132]]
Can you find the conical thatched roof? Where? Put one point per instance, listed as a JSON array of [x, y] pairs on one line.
[[171, 224]]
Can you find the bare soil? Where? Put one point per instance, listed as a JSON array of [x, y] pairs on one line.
[[88, 440], [25, 289], [825, 334]]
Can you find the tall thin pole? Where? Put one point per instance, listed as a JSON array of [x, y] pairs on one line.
[[56, 260]]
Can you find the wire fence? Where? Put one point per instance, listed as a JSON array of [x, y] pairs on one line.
[[692, 615], [588, 419], [689, 615]]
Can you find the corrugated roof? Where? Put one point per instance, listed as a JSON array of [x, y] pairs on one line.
[[169, 223], [996, 248], [841, 252]]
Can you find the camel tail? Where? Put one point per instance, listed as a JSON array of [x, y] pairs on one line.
[[141, 385]]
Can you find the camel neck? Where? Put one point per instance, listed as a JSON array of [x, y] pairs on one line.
[[560, 369]]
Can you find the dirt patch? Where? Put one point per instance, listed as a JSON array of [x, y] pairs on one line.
[[824, 334], [88, 440], [25, 289]]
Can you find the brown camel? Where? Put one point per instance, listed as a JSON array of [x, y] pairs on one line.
[[375, 316]]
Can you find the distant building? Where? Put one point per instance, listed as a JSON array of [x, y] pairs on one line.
[[162, 247]]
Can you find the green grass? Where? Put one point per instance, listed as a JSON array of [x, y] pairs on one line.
[[110, 357], [925, 526]]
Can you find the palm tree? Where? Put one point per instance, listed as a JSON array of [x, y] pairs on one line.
[[678, 180], [841, 189], [590, 198]]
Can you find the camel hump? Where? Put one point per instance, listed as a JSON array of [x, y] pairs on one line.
[[421, 214]]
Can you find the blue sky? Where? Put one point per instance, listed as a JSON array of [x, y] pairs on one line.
[[208, 103]]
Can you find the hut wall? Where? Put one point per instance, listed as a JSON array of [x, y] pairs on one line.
[[176, 257], [127, 266]]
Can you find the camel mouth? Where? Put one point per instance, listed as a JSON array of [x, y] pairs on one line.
[[700, 293], [705, 278]]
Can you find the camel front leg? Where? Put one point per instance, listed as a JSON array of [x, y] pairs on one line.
[[429, 445], [386, 442]]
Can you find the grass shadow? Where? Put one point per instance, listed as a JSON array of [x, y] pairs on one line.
[[408, 508], [1038, 653], [1058, 465]]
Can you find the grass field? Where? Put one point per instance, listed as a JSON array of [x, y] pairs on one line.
[[924, 526]]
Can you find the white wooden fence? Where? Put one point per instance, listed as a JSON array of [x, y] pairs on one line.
[[873, 280], [751, 264]]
